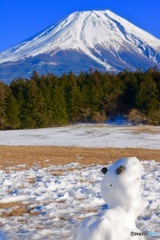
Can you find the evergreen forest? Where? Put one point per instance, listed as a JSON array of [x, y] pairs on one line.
[[49, 100]]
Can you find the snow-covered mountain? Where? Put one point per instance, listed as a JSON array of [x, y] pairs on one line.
[[92, 39]]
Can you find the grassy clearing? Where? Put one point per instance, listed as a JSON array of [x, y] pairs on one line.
[[25, 157]]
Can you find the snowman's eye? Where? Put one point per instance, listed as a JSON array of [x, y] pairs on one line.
[[104, 170], [120, 169], [110, 185]]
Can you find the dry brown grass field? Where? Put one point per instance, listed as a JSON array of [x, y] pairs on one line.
[[44, 156]]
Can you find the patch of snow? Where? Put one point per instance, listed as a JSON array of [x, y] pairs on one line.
[[88, 135]]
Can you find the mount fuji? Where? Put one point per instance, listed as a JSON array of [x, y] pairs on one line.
[[100, 40]]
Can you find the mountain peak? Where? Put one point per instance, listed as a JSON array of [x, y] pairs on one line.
[[98, 39]]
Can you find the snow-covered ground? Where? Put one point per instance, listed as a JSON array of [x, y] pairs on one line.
[[59, 197], [86, 136], [56, 199]]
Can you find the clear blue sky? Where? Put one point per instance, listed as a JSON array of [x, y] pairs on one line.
[[20, 19]]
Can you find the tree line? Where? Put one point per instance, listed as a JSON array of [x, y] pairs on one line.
[[48, 100]]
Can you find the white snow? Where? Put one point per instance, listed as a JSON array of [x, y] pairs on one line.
[[85, 32], [63, 201], [88, 135], [56, 199]]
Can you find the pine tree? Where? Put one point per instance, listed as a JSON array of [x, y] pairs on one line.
[[19, 91], [2, 106], [35, 107], [45, 88], [147, 96], [74, 104], [59, 110], [12, 113]]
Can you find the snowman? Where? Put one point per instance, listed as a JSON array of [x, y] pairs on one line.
[[121, 190]]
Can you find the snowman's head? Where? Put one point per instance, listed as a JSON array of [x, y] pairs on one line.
[[121, 185]]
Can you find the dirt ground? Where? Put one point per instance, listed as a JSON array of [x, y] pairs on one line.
[[44, 156]]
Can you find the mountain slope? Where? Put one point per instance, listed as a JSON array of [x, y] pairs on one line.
[[83, 40]]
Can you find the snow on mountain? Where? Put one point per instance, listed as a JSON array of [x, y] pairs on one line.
[[97, 39]]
